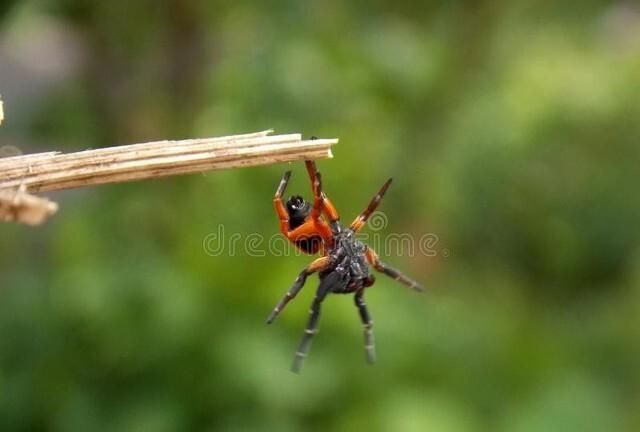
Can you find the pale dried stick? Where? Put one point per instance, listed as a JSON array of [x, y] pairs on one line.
[[56, 171]]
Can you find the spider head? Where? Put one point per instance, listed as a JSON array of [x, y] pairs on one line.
[[298, 210]]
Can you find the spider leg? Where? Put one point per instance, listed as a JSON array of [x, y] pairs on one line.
[[325, 206], [367, 323], [316, 265], [318, 206], [281, 209], [316, 187], [374, 260], [361, 220], [312, 325]]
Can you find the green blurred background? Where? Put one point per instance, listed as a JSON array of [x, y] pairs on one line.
[[512, 131]]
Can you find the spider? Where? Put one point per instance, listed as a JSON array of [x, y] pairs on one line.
[[344, 265]]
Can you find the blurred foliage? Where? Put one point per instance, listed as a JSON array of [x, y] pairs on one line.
[[511, 129]]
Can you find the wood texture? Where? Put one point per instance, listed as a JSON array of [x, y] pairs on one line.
[[56, 171], [53, 171]]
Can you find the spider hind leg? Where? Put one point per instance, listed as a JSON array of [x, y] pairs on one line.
[[367, 323], [327, 282], [317, 265]]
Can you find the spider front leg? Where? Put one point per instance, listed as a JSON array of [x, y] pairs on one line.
[[317, 265], [362, 219], [281, 209], [322, 204], [367, 323], [374, 260]]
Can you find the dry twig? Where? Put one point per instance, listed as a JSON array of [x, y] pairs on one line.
[[56, 171], [19, 206]]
